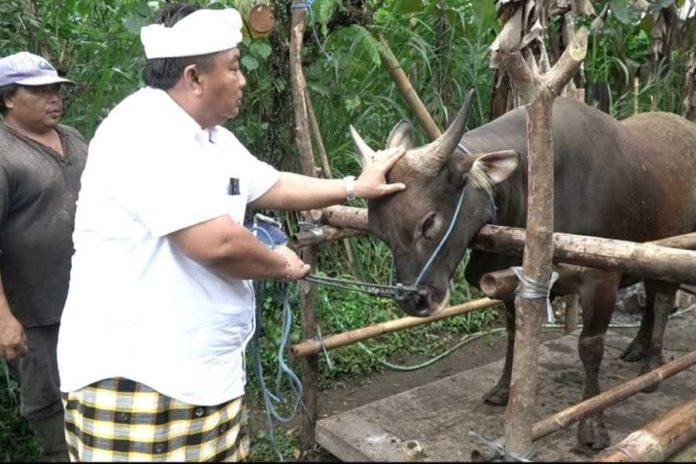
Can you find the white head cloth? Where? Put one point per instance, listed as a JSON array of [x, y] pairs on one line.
[[201, 32]]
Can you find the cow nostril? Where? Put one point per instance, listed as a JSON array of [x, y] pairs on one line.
[[421, 303]]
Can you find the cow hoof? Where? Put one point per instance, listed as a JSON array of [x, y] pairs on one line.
[[650, 364], [497, 395], [634, 352], [593, 433]]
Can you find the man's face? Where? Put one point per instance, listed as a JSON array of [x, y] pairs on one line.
[[223, 86], [35, 107]]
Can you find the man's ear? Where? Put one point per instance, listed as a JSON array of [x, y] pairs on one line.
[[9, 102], [192, 78]]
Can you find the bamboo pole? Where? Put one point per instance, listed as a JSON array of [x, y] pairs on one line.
[[610, 397], [579, 411], [657, 440], [310, 364], [536, 264], [310, 347], [402, 83]]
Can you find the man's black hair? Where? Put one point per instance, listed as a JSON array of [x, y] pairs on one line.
[[164, 73], [7, 91]]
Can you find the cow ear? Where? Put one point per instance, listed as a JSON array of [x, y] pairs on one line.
[[401, 135], [497, 166]]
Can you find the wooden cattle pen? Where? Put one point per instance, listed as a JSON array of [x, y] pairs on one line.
[[433, 422]]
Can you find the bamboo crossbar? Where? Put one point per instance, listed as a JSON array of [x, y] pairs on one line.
[[659, 439], [311, 347], [610, 397]]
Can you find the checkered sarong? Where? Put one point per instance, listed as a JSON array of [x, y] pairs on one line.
[[122, 420]]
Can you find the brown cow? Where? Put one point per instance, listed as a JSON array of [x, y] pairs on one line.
[[629, 180]]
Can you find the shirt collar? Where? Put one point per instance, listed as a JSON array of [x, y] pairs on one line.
[[181, 121]]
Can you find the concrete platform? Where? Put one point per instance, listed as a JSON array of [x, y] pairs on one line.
[[439, 415]]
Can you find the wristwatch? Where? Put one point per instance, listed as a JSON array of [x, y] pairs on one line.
[[350, 187]]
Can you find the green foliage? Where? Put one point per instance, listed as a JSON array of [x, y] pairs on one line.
[[442, 47], [17, 442], [619, 54]]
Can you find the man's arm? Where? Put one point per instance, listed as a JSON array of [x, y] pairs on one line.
[[13, 341], [298, 192], [232, 250]]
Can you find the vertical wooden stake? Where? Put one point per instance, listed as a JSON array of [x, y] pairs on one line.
[[310, 364], [540, 92], [530, 313]]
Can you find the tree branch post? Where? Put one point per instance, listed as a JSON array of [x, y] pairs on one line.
[[539, 92], [310, 364]]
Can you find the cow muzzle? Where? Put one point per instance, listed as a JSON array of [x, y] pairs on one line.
[[426, 302]]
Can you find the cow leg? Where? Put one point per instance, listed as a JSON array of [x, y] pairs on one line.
[[499, 394], [597, 297], [664, 294], [638, 349]]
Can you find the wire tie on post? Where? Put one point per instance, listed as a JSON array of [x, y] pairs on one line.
[[498, 453], [532, 289], [322, 347], [496, 449]]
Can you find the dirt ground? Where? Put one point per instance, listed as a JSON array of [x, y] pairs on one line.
[[353, 394]]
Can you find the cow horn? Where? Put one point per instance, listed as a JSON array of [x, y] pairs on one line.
[[366, 153], [431, 159]]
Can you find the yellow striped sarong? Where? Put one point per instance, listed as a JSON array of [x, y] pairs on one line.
[[122, 420]]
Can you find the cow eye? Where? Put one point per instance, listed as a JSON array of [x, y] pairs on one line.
[[426, 228]]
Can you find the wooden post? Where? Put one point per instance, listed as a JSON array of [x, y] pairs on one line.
[[530, 313], [657, 440], [319, 235], [499, 284], [310, 364], [643, 259]]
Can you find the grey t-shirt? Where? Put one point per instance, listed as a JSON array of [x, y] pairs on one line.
[[38, 194]]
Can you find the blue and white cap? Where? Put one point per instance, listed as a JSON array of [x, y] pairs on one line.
[[25, 68]]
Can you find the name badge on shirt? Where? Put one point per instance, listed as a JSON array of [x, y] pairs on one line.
[[233, 188]]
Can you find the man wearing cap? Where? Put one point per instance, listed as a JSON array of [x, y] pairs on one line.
[[40, 166], [161, 302]]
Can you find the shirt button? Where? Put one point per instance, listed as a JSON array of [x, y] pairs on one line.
[[122, 417], [199, 412], [223, 428], [159, 447]]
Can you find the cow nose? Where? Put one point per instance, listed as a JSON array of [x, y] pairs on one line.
[[418, 304]]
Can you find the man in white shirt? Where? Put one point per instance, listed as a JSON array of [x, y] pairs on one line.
[[161, 305]]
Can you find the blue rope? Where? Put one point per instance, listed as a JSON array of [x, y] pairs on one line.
[[308, 5], [444, 238], [271, 398]]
